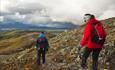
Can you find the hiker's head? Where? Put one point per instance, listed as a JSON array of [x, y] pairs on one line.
[[88, 16], [42, 34]]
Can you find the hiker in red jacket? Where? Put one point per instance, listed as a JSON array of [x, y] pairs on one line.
[[94, 37]]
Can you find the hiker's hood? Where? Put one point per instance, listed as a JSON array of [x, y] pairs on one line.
[[41, 35], [93, 21]]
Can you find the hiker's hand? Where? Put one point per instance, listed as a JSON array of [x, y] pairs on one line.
[[35, 47], [79, 47], [47, 49]]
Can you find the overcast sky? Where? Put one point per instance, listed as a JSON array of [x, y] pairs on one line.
[[55, 10]]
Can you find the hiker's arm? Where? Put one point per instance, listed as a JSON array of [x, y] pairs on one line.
[[37, 43], [47, 42], [86, 35]]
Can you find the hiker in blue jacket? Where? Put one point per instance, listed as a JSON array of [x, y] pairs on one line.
[[42, 46]]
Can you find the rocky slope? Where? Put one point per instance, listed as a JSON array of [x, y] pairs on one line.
[[63, 53]]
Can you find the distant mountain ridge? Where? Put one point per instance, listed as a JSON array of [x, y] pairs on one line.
[[40, 25]]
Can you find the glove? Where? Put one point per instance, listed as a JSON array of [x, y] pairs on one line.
[[35, 47], [79, 47], [47, 49]]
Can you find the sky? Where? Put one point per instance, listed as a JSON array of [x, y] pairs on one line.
[[35, 11]]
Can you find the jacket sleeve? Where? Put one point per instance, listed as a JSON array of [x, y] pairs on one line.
[[47, 43], [86, 35], [37, 43]]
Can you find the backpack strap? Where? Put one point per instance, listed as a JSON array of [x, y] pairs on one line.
[[93, 25]]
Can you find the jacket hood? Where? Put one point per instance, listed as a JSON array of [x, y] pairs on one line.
[[93, 21], [41, 35]]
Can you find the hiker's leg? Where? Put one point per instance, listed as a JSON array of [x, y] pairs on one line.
[[38, 56], [43, 55], [95, 56], [85, 56]]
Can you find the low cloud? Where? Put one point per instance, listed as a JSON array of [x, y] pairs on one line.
[[1, 18], [64, 10]]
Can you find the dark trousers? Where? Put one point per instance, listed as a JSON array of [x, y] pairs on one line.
[[95, 55], [41, 52]]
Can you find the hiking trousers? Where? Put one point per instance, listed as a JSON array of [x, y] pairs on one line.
[[95, 54], [41, 53]]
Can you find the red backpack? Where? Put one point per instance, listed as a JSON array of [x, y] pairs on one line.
[[41, 42], [98, 33]]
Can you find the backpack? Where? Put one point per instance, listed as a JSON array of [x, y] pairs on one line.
[[41, 42], [98, 34]]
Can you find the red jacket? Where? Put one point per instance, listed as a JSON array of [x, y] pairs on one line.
[[86, 40]]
